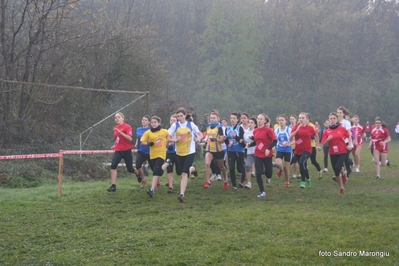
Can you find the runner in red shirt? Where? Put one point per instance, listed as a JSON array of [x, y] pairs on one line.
[[264, 140], [379, 143], [335, 137], [302, 133], [123, 149]]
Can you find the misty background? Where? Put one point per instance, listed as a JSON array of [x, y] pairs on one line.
[[273, 57]]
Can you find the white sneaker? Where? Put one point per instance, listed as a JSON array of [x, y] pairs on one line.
[[213, 177], [357, 170], [262, 194], [248, 185], [293, 176], [219, 177], [268, 181]]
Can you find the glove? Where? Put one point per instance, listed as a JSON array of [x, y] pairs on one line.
[[151, 144]]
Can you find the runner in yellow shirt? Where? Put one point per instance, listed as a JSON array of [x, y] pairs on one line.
[[156, 138]]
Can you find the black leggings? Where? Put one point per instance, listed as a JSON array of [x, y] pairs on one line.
[[141, 158], [337, 162], [263, 165], [325, 152], [127, 156], [347, 164], [156, 166], [235, 157], [303, 165], [313, 159]]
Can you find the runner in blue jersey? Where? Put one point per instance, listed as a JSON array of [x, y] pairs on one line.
[[143, 151], [283, 148], [235, 148]]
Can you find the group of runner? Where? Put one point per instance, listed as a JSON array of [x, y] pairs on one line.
[[248, 143]]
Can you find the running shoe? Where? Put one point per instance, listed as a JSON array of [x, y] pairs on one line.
[[308, 183], [294, 176], [142, 185], [268, 181], [320, 174], [325, 170], [252, 174], [219, 177], [280, 172], [234, 189], [226, 186], [213, 177], [378, 177], [112, 188], [303, 185], [287, 184], [344, 178], [262, 194], [341, 191], [248, 186], [170, 190], [139, 178], [241, 185], [357, 170], [207, 184], [388, 163], [150, 193], [181, 197], [334, 178]]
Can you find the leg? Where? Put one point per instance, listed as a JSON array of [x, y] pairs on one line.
[[116, 159], [376, 154], [232, 157], [249, 164], [186, 162], [114, 174], [325, 158], [259, 171], [287, 161], [140, 159], [313, 159], [357, 157], [208, 161]]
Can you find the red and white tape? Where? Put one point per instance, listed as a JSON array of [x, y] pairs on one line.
[[55, 155], [30, 156]]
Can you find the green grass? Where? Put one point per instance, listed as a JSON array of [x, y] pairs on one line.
[[89, 226]]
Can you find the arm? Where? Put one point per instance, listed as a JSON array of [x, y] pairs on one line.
[[221, 136], [271, 146], [145, 140], [292, 136], [316, 137], [240, 137], [388, 139], [126, 136]]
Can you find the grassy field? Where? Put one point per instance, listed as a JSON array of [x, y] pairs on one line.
[[290, 226]]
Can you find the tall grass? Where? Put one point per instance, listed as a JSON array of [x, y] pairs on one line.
[[290, 226]]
